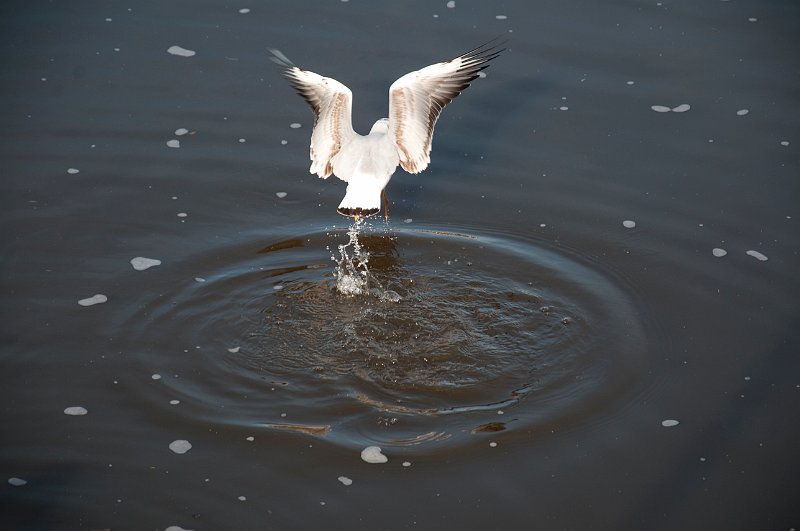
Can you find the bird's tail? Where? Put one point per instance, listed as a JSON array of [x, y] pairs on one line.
[[361, 200]]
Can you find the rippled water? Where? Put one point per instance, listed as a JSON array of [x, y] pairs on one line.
[[582, 315]]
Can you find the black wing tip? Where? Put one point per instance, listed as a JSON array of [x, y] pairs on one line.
[[488, 50]]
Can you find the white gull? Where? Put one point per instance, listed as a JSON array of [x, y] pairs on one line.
[[366, 163]]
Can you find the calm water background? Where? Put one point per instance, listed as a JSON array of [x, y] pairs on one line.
[[522, 380]]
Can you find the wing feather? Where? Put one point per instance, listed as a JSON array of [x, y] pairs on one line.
[[417, 99], [332, 103]]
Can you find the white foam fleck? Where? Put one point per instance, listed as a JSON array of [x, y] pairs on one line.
[[563, 108], [234, 349], [628, 224], [630, 82], [500, 17], [155, 376], [742, 112], [280, 195], [344, 480], [250, 438], [407, 220], [284, 142], [181, 131], [242, 498], [176, 528], [752, 19], [719, 253], [199, 279], [451, 4], [372, 454], [73, 171], [95, 299], [180, 446], [242, 140], [668, 423], [493, 444], [660, 108], [174, 402], [757, 255], [295, 125], [141, 263], [182, 214], [181, 52], [406, 463], [244, 11], [784, 142], [174, 143], [16, 482], [683, 107], [75, 410]]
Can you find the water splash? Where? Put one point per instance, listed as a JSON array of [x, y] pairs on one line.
[[352, 273]]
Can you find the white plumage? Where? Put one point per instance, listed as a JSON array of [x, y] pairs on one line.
[[366, 163]]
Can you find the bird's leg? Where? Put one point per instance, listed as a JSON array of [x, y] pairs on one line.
[[385, 205]]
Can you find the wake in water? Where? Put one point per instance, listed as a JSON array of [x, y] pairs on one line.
[[352, 273]]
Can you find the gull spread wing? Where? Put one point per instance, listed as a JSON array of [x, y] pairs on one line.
[[417, 99], [332, 103]]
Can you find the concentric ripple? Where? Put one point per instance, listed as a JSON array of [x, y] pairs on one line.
[[483, 333]]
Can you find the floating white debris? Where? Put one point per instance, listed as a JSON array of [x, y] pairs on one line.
[[451, 4], [174, 402], [73, 171], [244, 11], [630, 82], [95, 299], [500, 17], [234, 349], [407, 220], [683, 107], [284, 142], [141, 263], [17, 482], [182, 214], [277, 287], [669, 423], [344, 480], [174, 143], [75, 411], [784, 143], [179, 51], [181, 131], [180, 446], [199, 279], [372, 454], [628, 224], [242, 498], [406, 463], [242, 140], [742, 112], [757, 255], [295, 125], [493, 444], [250, 438], [280, 195], [563, 108], [719, 253], [752, 19], [176, 528]]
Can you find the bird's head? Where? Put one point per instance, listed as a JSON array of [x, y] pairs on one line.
[[381, 126]]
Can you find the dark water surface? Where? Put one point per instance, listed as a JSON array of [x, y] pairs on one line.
[[593, 310]]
